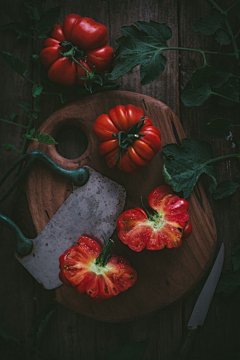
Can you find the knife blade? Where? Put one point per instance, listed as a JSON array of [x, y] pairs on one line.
[[91, 209], [202, 304]]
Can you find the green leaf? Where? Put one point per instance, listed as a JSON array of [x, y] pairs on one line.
[[9, 147], [14, 116], [45, 139], [223, 38], [229, 282], [209, 24], [201, 75], [15, 63], [21, 29], [142, 45], [231, 92], [183, 165], [219, 128], [36, 90], [225, 189], [40, 137], [220, 78], [195, 97], [152, 68], [236, 257], [34, 8], [131, 351], [26, 106], [47, 20]]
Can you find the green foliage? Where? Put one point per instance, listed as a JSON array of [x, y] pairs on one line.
[[14, 62], [9, 147], [40, 137], [210, 23], [183, 165], [46, 21], [225, 189], [219, 128], [223, 38], [141, 45], [37, 90], [24, 105]]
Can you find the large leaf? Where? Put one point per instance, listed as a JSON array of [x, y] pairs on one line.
[[47, 20], [231, 92], [220, 78], [183, 165], [209, 24], [195, 97], [223, 38], [15, 63], [219, 128], [202, 75], [131, 351], [229, 282], [141, 45], [225, 189]]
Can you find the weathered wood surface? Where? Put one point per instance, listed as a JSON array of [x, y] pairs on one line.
[[169, 274], [70, 335]]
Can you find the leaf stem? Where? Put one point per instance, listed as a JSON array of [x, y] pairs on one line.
[[233, 39], [225, 97], [29, 80], [214, 4], [196, 50], [222, 158], [231, 7], [13, 123]]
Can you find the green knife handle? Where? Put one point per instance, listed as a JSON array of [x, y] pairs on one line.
[[24, 245], [79, 176]]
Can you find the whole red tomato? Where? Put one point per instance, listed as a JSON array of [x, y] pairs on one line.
[[166, 225], [128, 139], [76, 51], [94, 271]]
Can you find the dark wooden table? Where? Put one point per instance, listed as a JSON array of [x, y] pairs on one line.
[[73, 336]]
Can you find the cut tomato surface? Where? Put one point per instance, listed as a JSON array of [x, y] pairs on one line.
[[164, 226], [93, 270]]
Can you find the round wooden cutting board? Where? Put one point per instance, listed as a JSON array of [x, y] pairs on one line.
[[163, 276]]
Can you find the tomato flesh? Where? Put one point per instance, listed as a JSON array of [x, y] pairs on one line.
[[166, 226], [80, 270]]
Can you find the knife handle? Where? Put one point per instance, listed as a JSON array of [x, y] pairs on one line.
[[24, 245], [78, 176], [186, 344]]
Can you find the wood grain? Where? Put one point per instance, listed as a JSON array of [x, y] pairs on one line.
[[69, 334], [163, 276]]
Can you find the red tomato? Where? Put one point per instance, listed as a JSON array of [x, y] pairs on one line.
[[166, 226], [77, 40], [128, 139], [93, 270]]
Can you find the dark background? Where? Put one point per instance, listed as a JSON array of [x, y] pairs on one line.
[[73, 336]]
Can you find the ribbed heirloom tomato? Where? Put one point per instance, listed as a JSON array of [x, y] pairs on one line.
[[75, 50], [128, 138], [166, 225], [94, 270]]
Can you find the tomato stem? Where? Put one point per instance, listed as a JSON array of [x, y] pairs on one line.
[[105, 254]]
